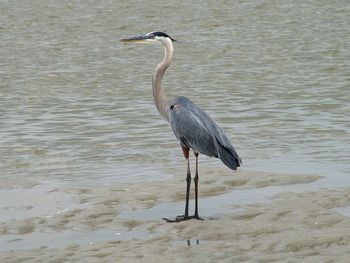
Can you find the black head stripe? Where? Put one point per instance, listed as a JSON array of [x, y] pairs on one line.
[[160, 34]]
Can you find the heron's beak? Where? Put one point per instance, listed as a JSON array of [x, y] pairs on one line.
[[137, 39]]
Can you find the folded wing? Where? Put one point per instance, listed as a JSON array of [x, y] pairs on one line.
[[197, 130]]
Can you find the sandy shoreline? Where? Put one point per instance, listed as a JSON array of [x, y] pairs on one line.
[[122, 222]]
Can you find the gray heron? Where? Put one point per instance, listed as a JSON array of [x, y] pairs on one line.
[[194, 128]]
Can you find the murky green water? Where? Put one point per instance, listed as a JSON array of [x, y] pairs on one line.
[[76, 104]]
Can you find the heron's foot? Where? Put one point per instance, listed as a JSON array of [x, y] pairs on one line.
[[178, 219], [182, 218], [197, 217]]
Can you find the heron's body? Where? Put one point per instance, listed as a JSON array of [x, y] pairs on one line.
[[194, 128]]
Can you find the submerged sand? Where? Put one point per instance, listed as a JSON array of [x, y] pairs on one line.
[[122, 222]]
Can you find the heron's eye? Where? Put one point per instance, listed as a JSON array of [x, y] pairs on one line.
[[172, 107]]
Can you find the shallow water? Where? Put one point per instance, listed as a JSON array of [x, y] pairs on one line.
[[50, 240], [76, 112], [76, 103]]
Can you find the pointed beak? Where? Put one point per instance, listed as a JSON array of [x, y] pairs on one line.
[[137, 39]]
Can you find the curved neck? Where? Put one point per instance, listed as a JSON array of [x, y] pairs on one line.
[[159, 98]]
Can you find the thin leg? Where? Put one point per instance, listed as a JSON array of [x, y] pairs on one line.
[[188, 187], [186, 152], [196, 179]]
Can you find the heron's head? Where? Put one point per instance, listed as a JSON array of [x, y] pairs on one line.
[[150, 38]]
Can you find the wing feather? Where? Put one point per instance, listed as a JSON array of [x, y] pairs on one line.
[[197, 130]]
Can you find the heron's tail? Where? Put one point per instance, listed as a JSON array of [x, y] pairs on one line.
[[229, 157]]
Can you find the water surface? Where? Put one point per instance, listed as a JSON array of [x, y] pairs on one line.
[[76, 104]]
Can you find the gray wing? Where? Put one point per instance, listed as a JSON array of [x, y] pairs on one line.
[[196, 130]]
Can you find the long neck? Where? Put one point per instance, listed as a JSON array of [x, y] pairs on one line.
[[159, 98]]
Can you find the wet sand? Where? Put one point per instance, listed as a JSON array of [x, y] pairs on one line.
[[249, 217]]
